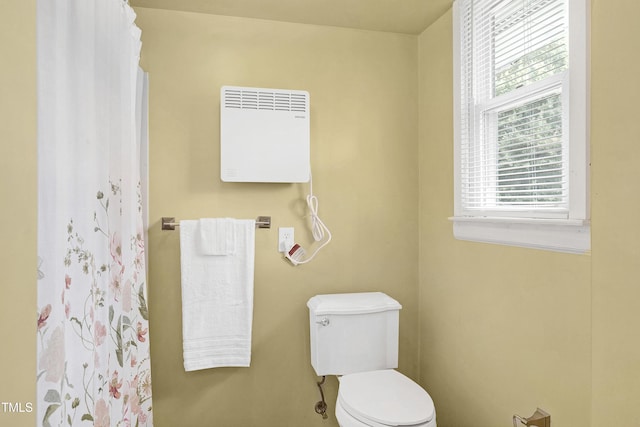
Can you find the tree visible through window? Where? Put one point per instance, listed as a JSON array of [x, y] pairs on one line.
[[530, 155]]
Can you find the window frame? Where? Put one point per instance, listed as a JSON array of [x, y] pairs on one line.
[[569, 232]]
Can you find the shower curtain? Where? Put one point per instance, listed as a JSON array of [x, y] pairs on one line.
[[93, 365]]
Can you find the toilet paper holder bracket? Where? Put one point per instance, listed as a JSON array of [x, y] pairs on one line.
[[539, 419]]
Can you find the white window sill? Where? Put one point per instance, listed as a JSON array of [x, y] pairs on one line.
[[572, 236]]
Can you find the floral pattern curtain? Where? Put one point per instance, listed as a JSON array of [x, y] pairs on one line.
[[92, 321]]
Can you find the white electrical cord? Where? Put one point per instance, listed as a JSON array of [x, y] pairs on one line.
[[317, 226], [318, 230]]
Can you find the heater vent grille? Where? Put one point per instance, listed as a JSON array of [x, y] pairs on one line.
[[265, 100]]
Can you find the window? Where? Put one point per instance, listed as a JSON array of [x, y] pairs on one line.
[[521, 123]]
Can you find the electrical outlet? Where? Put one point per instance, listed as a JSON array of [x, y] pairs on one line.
[[285, 238]]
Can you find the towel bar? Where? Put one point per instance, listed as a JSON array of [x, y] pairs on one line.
[[170, 223]]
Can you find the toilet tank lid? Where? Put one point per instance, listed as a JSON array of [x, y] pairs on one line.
[[352, 303]]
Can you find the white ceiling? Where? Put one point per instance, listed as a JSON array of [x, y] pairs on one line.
[[398, 16]]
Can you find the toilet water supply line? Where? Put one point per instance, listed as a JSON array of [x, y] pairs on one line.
[[296, 253], [321, 406]]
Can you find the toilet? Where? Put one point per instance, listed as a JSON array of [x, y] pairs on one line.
[[355, 336]]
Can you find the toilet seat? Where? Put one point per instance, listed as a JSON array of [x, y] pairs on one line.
[[385, 398]]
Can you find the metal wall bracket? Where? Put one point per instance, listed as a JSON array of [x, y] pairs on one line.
[[168, 223], [539, 419], [263, 222]]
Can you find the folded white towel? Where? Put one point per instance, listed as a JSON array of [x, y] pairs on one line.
[[217, 299], [217, 236]]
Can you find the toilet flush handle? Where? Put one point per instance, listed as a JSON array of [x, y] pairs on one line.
[[324, 322]]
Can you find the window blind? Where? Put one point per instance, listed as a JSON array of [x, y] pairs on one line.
[[514, 142]]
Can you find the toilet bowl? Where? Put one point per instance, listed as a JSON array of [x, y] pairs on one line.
[[383, 398]]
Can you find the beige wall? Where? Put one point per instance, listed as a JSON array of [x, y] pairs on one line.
[[18, 196], [364, 148], [504, 330], [615, 149]]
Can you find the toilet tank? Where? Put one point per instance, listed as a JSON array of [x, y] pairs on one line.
[[353, 332]]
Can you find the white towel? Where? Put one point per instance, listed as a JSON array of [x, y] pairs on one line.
[[217, 236], [217, 299]]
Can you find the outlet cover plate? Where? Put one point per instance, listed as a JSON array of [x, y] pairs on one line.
[[285, 238]]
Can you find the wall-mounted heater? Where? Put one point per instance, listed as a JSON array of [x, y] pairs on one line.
[[264, 135]]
